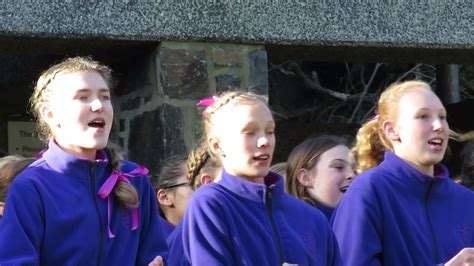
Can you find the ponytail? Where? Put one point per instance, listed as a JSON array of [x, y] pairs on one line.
[[370, 146], [124, 192]]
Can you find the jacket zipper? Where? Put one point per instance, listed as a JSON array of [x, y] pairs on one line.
[[268, 204], [433, 237], [96, 204]]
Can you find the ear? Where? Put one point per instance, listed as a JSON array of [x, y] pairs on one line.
[[164, 198], [304, 178], [206, 179], [2, 206], [215, 146], [49, 117], [390, 131]]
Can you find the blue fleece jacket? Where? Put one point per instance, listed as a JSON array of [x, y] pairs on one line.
[[166, 227], [54, 216], [176, 250], [395, 215], [237, 222]]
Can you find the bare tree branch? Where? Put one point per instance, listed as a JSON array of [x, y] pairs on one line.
[[364, 92], [312, 85]]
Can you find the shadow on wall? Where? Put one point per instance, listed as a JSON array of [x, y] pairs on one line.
[[291, 133]]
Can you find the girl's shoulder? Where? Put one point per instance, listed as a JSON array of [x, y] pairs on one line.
[[128, 166], [211, 195], [32, 171], [295, 208]]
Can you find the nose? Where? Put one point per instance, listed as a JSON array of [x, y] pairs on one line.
[[96, 105], [350, 174], [439, 125], [263, 142]]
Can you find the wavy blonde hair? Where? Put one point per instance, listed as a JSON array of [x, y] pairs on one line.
[[371, 142]]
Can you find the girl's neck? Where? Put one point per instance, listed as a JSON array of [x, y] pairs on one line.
[[258, 180], [89, 154], [172, 216]]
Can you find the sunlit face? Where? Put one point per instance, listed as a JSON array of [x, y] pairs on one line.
[[331, 176], [421, 131], [80, 112], [245, 139]]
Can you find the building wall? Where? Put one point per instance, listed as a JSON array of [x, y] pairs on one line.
[[157, 115]]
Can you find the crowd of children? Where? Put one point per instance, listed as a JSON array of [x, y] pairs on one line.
[[81, 203]]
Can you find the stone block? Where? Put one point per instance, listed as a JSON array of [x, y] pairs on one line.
[[227, 82], [224, 57], [156, 135], [131, 104], [183, 73], [258, 80]]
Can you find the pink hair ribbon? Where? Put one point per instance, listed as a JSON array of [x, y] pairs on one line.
[[106, 189], [206, 102]]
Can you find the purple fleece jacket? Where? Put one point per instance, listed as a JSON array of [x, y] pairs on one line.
[[237, 222], [395, 215], [54, 216]]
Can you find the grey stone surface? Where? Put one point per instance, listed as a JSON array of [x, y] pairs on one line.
[[183, 73], [388, 23], [223, 57], [156, 135], [131, 104], [227, 82], [258, 80]]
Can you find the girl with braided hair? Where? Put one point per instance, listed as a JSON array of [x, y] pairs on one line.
[[79, 204], [247, 218], [203, 168], [403, 209]]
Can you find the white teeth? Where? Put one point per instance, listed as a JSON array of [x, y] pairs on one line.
[[436, 141]]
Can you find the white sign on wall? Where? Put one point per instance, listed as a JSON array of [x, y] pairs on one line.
[[22, 140]]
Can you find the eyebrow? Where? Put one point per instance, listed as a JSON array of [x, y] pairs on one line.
[[429, 109], [339, 160], [88, 89]]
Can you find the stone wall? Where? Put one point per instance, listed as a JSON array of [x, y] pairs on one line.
[[156, 114]]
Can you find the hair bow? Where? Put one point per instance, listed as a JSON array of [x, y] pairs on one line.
[[108, 186], [206, 102]]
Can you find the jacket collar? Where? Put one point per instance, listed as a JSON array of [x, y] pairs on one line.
[[402, 169], [70, 165], [253, 191]]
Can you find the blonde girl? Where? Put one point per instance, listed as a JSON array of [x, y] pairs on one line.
[[247, 218], [78, 204], [403, 209]]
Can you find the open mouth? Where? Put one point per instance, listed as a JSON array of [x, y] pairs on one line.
[[436, 142], [97, 123], [343, 189], [262, 157]]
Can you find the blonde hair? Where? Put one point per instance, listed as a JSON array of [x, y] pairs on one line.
[[371, 142], [124, 192], [225, 100], [42, 93], [200, 161]]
